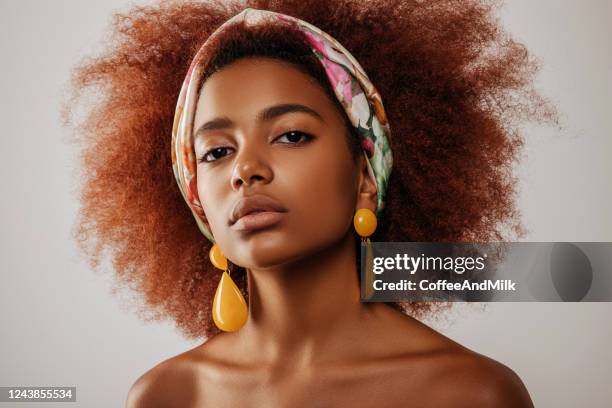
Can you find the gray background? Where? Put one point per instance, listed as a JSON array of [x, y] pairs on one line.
[[62, 326]]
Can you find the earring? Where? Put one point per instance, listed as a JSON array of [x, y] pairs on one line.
[[230, 310], [365, 224]]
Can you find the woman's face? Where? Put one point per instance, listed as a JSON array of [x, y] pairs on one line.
[[263, 127]]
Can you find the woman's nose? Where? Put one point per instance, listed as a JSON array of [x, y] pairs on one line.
[[249, 168]]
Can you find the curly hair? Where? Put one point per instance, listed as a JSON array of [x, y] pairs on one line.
[[455, 85]]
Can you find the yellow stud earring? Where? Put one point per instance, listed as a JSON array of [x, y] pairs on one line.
[[365, 224], [230, 310]]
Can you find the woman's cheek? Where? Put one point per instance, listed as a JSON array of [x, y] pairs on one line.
[[326, 197], [210, 193]]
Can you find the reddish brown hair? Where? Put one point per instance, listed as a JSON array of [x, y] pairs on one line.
[[454, 84]]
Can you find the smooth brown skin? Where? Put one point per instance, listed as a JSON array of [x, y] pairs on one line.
[[308, 341]]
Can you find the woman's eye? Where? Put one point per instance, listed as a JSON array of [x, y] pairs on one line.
[[214, 154], [294, 137]]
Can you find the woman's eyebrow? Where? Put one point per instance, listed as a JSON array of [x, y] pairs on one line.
[[265, 115], [277, 110]]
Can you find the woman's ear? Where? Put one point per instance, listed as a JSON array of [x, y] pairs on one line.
[[366, 189]]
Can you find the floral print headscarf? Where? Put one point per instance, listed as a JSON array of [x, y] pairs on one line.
[[358, 96]]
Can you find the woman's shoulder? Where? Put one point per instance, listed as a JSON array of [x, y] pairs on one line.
[[462, 375], [451, 374], [169, 383]]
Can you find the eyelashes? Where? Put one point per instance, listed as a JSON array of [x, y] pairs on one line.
[[217, 151], [294, 133], [294, 137]]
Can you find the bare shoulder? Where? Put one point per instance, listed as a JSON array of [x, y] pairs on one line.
[[168, 384], [466, 378], [449, 374], [185, 380]]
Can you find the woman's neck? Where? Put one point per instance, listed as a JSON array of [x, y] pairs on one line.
[[305, 310]]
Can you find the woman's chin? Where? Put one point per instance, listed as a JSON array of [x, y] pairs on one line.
[[263, 251]]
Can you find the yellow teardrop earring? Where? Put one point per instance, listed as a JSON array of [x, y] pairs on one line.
[[365, 224], [230, 310]]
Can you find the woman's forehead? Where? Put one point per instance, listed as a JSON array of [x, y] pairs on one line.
[[249, 84]]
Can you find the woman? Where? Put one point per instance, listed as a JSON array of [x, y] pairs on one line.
[[274, 159]]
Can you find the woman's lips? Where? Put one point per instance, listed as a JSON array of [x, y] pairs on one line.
[[256, 212], [258, 220]]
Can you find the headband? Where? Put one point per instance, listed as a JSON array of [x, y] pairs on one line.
[[360, 99]]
